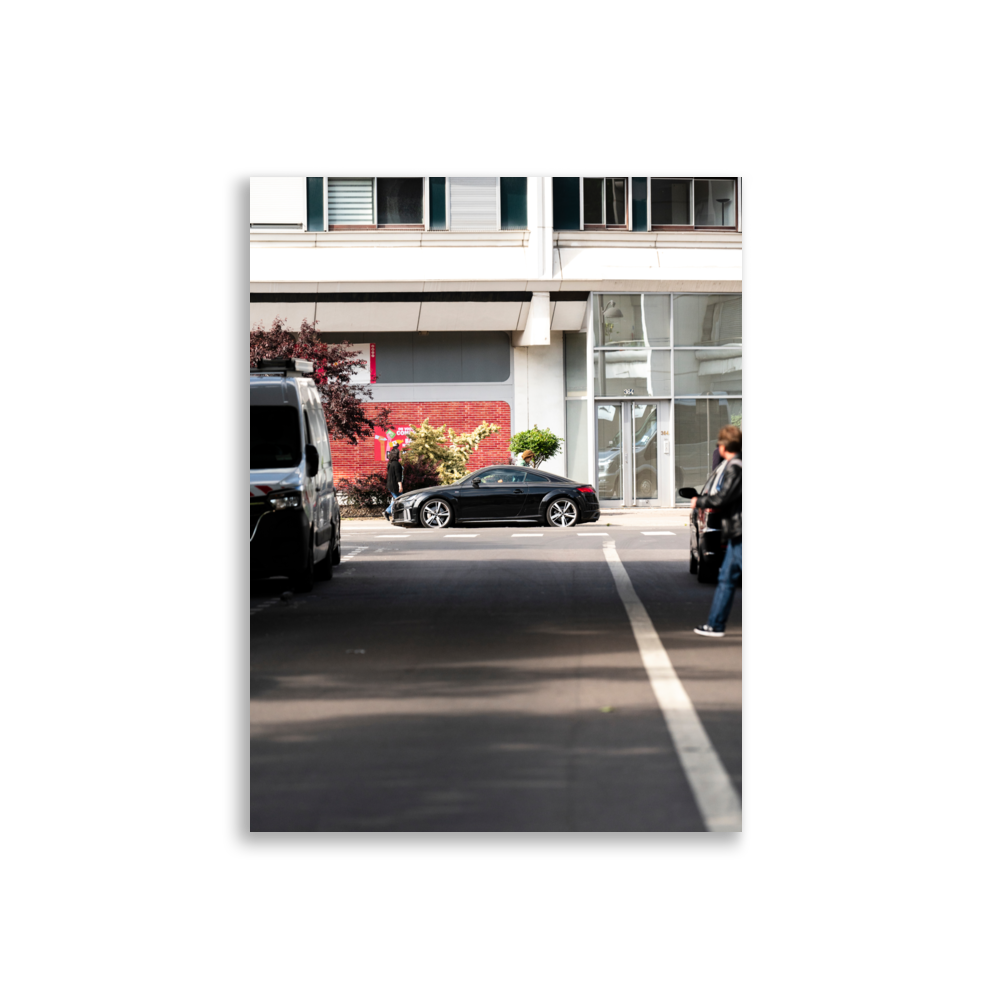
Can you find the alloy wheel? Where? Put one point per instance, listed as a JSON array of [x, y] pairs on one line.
[[562, 513], [436, 514]]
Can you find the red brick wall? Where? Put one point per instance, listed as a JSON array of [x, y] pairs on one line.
[[351, 461]]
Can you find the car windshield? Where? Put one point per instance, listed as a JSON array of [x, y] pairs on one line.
[[275, 442], [467, 479]]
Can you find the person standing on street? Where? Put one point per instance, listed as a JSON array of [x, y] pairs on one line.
[[394, 479], [726, 496]]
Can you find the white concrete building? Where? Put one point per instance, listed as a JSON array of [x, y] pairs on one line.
[[607, 309]]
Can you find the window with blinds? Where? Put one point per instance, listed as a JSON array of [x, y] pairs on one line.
[[350, 201], [474, 203]]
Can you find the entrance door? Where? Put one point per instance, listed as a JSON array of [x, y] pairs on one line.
[[633, 449]]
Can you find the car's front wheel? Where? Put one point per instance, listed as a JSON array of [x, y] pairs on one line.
[[436, 514], [302, 582], [562, 513]]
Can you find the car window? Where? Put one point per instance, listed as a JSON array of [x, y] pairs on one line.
[[275, 441], [533, 477], [498, 477]]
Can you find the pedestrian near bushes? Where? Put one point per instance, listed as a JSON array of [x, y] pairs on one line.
[[725, 494], [394, 479]]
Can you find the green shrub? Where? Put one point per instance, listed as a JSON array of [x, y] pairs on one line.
[[542, 444]]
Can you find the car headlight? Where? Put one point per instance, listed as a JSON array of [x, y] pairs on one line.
[[284, 501]]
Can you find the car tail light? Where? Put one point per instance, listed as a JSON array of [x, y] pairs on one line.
[[585, 489]]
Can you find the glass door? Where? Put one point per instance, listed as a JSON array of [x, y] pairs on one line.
[[633, 454]]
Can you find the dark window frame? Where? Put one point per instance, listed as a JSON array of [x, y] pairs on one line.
[[692, 227], [627, 199]]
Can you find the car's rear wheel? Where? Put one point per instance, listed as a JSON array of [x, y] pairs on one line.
[[562, 513], [436, 514], [707, 571]]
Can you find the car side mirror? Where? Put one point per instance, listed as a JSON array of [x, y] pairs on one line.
[[312, 460], [688, 492], [476, 482]]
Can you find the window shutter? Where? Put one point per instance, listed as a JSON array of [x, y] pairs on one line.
[[349, 201], [565, 202], [513, 202], [276, 203], [473, 203]]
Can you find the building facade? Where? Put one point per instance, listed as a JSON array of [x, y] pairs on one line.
[[608, 309]]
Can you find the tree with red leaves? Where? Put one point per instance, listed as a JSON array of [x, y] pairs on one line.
[[333, 366]]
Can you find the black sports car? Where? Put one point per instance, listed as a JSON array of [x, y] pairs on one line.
[[499, 493], [708, 547]]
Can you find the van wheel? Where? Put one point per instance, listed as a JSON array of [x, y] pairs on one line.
[[324, 569], [302, 582]]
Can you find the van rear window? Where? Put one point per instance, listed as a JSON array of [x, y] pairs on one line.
[[275, 442]]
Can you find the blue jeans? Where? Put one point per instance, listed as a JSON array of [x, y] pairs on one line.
[[729, 574], [394, 496]]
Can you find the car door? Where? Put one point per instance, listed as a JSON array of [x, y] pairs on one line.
[[498, 496], [535, 487]]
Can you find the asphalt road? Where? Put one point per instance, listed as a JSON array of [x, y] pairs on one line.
[[475, 680]]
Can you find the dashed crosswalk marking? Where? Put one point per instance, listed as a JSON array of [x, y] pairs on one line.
[[659, 532]]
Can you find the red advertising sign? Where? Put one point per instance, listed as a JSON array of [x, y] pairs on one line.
[[371, 364]]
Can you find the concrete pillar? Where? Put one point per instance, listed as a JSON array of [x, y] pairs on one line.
[[540, 393]]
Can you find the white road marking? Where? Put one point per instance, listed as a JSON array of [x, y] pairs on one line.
[[530, 534], [713, 791], [463, 536], [353, 553], [659, 532], [592, 533]]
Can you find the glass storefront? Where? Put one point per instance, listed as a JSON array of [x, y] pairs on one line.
[[667, 375]]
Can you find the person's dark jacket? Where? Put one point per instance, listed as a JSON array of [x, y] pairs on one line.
[[395, 473], [728, 500]]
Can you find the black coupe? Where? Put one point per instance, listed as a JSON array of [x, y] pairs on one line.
[[499, 493], [708, 547]]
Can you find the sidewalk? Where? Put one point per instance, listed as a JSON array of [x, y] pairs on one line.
[[617, 517], [638, 517]]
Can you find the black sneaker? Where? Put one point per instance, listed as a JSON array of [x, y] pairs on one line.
[[708, 630], [387, 515]]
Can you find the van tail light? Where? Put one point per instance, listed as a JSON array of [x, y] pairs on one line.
[[585, 489]]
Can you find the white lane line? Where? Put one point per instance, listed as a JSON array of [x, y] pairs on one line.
[[659, 532], [592, 533], [713, 791], [529, 534]]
